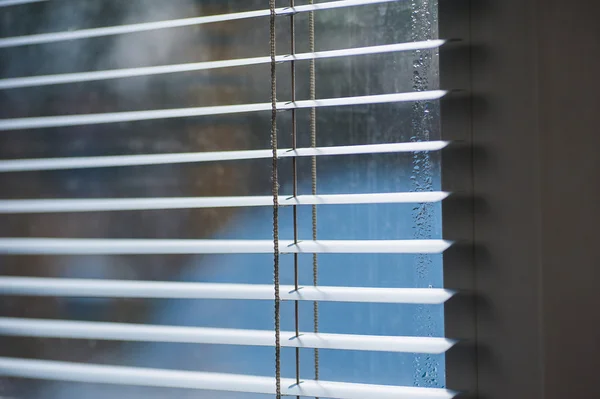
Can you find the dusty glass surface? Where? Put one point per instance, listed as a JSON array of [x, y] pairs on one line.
[[376, 74]]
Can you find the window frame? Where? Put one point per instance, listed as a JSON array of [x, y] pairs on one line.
[[525, 169]]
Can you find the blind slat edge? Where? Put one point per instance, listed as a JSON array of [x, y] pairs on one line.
[[138, 204], [77, 372], [133, 116], [78, 77], [174, 23], [66, 287], [82, 246], [24, 165], [7, 3], [68, 329]]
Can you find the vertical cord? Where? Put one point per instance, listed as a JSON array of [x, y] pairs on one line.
[[275, 203], [313, 144], [295, 183]]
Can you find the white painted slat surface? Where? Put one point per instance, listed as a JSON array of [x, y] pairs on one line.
[[78, 77], [6, 3], [82, 246], [65, 287], [24, 165], [114, 117], [139, 204], [77, 372], [68, 329]]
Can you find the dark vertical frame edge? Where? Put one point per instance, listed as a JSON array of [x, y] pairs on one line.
[[458, 208]]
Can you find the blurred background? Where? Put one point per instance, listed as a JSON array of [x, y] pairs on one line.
[[386, 23]]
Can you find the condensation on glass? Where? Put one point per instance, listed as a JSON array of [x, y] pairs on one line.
[[374, 74]]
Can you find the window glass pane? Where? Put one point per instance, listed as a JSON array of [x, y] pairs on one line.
[[384, 123]]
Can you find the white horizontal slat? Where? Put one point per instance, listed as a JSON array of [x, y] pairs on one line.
[[43, 80], [175, 23], [114, 117], [82, 246], [77, 372], [23, 165], [138, 204], [100, 288], [6, 3], [68, 329]]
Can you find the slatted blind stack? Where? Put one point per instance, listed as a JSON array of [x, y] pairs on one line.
[[158, 290]]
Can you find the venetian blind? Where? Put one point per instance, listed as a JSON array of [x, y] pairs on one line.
[[288, 114]]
